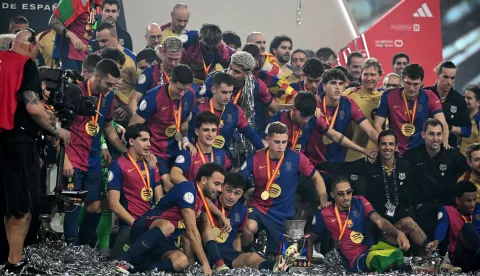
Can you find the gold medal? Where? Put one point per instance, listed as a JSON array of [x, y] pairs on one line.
[[178, 136], [219, 142], [170, 131], [221, 124], [70, 186], [88, 27], [222, 237], [92, 128], [265, 195], [216, 231], [326, 140], [298, 147], [408, 129], [147, 195]]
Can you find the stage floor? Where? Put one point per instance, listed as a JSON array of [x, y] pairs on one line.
[[59, 259]]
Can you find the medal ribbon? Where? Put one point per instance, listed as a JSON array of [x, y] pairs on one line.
[[466, 220], [205, 68], [201, 154], [207, 209], [414, 112], [146, 182], [164, 74], [213, 111], [271, 177], [385, 180], [342, 229], [94, 118], [332, 120], [295, 132], [237, 97], [177, 113]]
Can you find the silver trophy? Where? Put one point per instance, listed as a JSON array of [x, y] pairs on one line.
[[295, 234]]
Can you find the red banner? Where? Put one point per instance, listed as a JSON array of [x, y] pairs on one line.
[[413, 27]]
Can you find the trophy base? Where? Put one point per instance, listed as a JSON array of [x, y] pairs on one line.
[[298, 269], [301, 264]]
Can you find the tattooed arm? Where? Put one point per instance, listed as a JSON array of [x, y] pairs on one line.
[[40, 115], [38, 112], [389, 230], [57, 25]]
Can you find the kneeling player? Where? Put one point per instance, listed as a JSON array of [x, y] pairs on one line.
[[154, 234], [229, 244], [345, 221]]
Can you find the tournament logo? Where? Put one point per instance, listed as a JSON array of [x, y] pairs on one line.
[[237, 217], [477, 216], [185, 105], [275, 191], [341, 115], [229, 118], [356, 237], [143, 105], [354, 177], [356, 214], [218, 160], [401, 176], [419, 107], [289, 166], [104, 102], [453, 109], [188, 197]]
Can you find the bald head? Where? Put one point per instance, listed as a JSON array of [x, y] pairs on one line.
[[25, 44], [257, 38], [153, 35], [180, 16]]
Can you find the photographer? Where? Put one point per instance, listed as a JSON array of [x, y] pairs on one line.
[[82, 162], [22, 115]]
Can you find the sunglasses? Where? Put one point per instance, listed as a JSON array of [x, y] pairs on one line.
[[392, 85], [344, 193]]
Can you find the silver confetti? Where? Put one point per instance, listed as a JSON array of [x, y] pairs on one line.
[[51, 258]]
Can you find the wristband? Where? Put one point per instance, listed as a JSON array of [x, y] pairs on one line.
[[103, 146], [185, 140]]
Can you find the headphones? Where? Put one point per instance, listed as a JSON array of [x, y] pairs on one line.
[[33, 38]]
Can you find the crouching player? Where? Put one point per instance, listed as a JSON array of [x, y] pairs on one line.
[[346, 222], [229, 244], [154, 234]]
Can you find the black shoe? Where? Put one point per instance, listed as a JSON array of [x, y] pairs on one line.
[[15, 268]]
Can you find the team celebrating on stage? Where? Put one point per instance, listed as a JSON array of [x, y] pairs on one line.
[[200, 144]]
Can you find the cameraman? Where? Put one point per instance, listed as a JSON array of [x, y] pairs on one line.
[[22, 115], [82, 159]]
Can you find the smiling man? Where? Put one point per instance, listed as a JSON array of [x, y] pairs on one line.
[[280, 47], [367, 98], [180, 16], [436, 169], [472, 98], [408, 108], [354, 66], [391, 187]]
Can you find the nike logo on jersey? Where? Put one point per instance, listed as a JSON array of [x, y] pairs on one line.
[[131, 170], [376, 175], [396, 106], [333, 220], [165, 107], [262, 167], [196, 162]]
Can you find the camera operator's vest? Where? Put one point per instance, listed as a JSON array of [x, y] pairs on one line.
[[11, 77]]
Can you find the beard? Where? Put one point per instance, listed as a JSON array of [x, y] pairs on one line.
[[284, 58]]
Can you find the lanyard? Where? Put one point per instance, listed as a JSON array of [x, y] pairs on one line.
[[89, 90], [269, 171], [295, 133], [146, 182], [177, 113], [411, 119], [205, 68], [466, 220], [331, 121], [340, 228], [385, 180], [237, 97], [207, 209], [213, 111], [201, 154], [164, 74]]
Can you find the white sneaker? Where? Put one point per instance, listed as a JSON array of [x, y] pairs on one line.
[[223, 267], [287, 259], [316, 255]]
